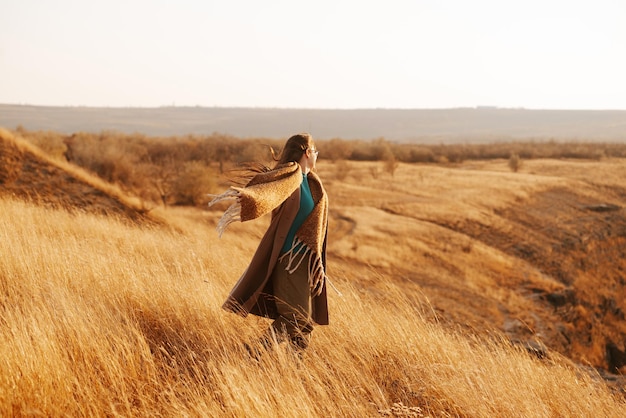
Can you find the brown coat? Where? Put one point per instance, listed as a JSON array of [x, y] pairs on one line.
[[253, 292]]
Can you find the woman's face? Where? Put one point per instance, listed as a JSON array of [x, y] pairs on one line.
[[311, 153]]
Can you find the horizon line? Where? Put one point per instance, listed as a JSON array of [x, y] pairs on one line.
[[174, 106]]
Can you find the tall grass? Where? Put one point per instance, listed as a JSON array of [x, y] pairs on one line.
[[101, 318]]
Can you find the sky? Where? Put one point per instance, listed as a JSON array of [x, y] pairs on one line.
[[337, 54]]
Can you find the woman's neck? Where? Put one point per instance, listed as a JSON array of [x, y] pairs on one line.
[[304, 166]]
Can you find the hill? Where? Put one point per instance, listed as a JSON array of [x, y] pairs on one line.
[[105, 318], [538, 255], [404, 125], [26, 172], [457, 280]]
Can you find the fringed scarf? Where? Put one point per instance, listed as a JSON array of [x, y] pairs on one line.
[[266, 191]]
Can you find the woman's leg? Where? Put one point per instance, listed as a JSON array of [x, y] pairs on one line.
[[293, 302]]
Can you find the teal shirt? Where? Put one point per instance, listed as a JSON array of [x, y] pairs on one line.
[[306, 207]]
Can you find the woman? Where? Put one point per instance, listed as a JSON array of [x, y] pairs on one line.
[[286, 279]]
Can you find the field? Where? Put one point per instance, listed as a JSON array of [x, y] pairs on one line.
[[466, 290]]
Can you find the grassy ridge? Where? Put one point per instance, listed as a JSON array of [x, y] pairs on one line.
[[111, 319]]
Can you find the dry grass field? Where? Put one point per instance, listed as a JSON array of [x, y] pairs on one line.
[[448, 274], [538, 254]]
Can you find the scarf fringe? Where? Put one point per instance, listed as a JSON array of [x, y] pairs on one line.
[[228, 194], [232, 214], [294, 253], [315, 267]]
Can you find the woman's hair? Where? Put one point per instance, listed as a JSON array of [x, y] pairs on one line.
[[293, 149]]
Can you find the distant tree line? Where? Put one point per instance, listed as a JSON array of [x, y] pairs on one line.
[[181, 170]]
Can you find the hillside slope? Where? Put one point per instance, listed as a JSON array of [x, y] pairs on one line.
[[27, 173], [105, 318], [538, 255], [435, 265]]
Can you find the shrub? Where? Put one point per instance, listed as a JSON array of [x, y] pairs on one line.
[[391, 165], [515, 162], [193, 183], [336, 149]]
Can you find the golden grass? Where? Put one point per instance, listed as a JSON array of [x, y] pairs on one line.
[[487, 245], [102, 318]]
